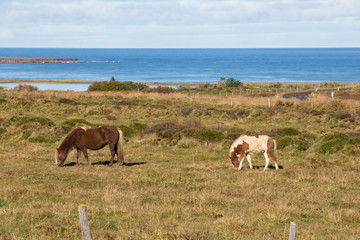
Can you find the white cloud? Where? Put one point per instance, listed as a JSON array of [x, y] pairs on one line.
[[174, 23]]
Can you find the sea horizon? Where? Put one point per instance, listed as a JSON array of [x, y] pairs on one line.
[[188, 65]]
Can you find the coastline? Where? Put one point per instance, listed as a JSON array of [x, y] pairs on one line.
[[37, 60], [187, 84]]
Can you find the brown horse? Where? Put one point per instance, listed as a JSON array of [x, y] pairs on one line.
[[82, 139]]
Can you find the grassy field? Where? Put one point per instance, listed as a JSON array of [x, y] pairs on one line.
[[178, 182]]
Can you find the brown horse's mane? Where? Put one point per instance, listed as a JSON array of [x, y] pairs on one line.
[[68, 142]]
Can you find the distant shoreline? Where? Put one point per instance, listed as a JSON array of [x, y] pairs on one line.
[[73, 81], [37, 60]]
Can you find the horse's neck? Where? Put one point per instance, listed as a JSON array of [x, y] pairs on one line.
[[67, 144]]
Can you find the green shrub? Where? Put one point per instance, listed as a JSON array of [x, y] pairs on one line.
[[116, 86], [26, 135], [334, 142], [204, 134], [290, 132], [127, 131], [331, 147], [74, 122], [299, 143], [275, 85], [283, 142], [24, 120], [49, 138], [286, 131], [159, 89], [233, 133], [138, 126], [173, 136], [231, 82], [71, 123]]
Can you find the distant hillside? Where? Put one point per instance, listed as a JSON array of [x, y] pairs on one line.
[[36, 60]]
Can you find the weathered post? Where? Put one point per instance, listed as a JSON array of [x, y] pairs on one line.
[[84, 222], [269, 103], [292, 231]]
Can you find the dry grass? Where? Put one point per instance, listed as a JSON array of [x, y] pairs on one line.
[[185, 189]]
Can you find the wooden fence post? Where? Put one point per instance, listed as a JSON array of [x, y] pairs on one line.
[[84, 222], [292, 231]]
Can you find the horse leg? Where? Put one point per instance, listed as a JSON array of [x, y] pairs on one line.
[[273, 157], [267, 160], [242, 157], [112, 157], [86, 156], [78, 151], [248, 157], [112, 150]]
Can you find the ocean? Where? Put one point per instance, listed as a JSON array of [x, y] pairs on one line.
[[189, 65]]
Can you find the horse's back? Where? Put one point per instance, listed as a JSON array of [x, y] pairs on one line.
[[96, 138], [256, 143]]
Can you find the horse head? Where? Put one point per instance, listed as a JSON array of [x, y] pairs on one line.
[[60, 157], [234, 160], [238, 153]]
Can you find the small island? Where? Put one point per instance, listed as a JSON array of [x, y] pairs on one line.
[[37, 60]]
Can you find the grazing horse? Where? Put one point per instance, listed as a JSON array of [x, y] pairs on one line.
[[248, 145], [82, 139]]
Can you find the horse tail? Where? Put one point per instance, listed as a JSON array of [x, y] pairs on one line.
[[56, 156], [271, 148], [120, 146], [274, 145]]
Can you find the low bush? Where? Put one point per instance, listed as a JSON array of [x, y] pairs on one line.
[[333, 142], [68, 125], [185, 111], [43, 139], [116, 86], [345, 116], [24, 120], [299, 143], [204, 134], [238, 113], [285, 132], [231, 82], [76, 121], [159, 89], [138, 126], [165, 126], [26, 135], [28, 88], [173, 136], [127, 131]]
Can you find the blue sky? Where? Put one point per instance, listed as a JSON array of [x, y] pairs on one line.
[[180, 23]]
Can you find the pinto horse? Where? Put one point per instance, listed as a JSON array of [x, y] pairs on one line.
[[248, 145], [82, 139]]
